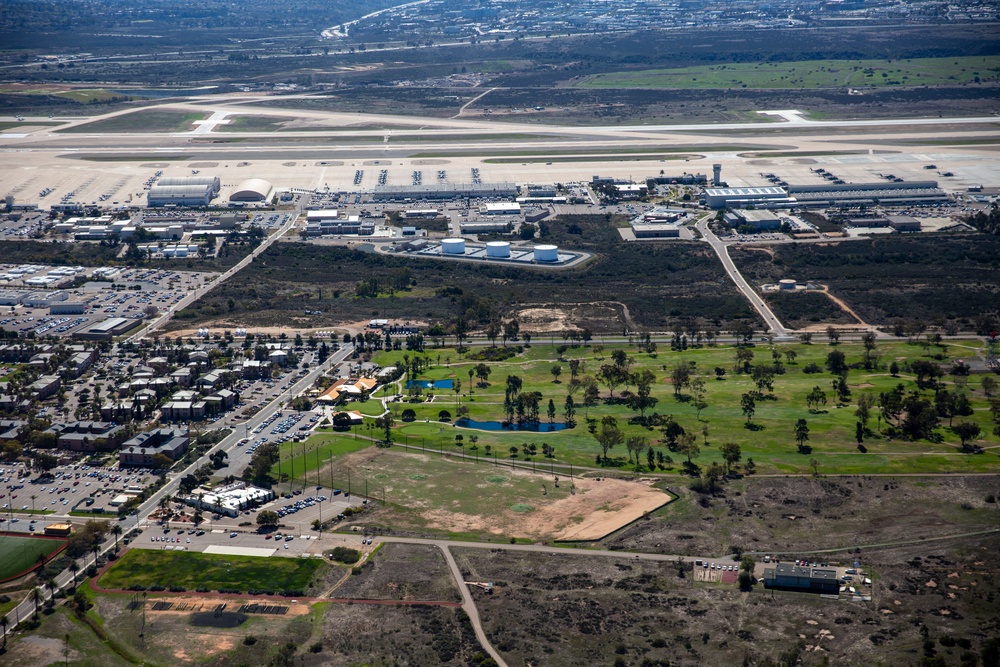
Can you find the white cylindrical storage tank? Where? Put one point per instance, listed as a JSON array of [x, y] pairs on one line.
[[786, 283], [453, 246], [498, 249], [546, 253]]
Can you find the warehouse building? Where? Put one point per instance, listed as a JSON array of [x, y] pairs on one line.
[[179, 195], [443, 192], [108, 329], [762, 197], [797, 578], [867, 194], [903, 223], [757, 220], [500, 208], [211, 181], [253, 190], [655, 230]]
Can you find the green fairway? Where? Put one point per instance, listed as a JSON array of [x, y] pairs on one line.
[[810, 74], [17, 554], [143, 121], [770, 442], [144, 567]]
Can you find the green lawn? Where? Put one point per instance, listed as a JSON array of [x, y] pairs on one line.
[[144, 567], [809, 74], [772, 445], [17, 554], [145, 121]]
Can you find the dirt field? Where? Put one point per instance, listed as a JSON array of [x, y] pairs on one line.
[[172, 638], [623, 612], [403, 636], [402, 572], [457, 496], [794, 515]]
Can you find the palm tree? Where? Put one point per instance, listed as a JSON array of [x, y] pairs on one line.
[[117, 530], [33, 504], [36, 596], [3, 624], [74, 567]]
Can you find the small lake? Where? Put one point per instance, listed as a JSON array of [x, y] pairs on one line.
[[431, 384], [543, 427]]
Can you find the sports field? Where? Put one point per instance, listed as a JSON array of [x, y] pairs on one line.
[[17, 554], [144, 567], [810, 74]]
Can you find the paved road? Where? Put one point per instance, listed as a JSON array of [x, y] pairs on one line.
[[774, 325]]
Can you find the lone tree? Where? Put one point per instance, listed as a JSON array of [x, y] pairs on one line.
[[267, 519], [688, 445], [608, 435], [748, 404], [966, 431], [816, 398], [635, 445], [731, 454], [385, 422], [680, 376], [801, 432]]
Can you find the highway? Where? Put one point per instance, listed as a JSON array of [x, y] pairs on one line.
[[774, 325]]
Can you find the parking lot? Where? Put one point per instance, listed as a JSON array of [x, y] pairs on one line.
[[24, 226], [109, 292], [76, 487]]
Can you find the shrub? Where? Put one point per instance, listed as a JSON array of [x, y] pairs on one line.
[[345, 555], [249, 640]]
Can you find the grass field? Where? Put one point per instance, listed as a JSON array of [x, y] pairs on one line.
[[146, 121], [16, 125], [144, 567], [468, 498], [17, 554], [254, 124], [809, 74], [771, 443]]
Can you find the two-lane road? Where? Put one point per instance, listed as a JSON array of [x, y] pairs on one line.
[[774, 325]]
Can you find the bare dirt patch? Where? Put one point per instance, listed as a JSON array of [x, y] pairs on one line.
[[457, 495], [598, 509], [552, 318], [186, 605]]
